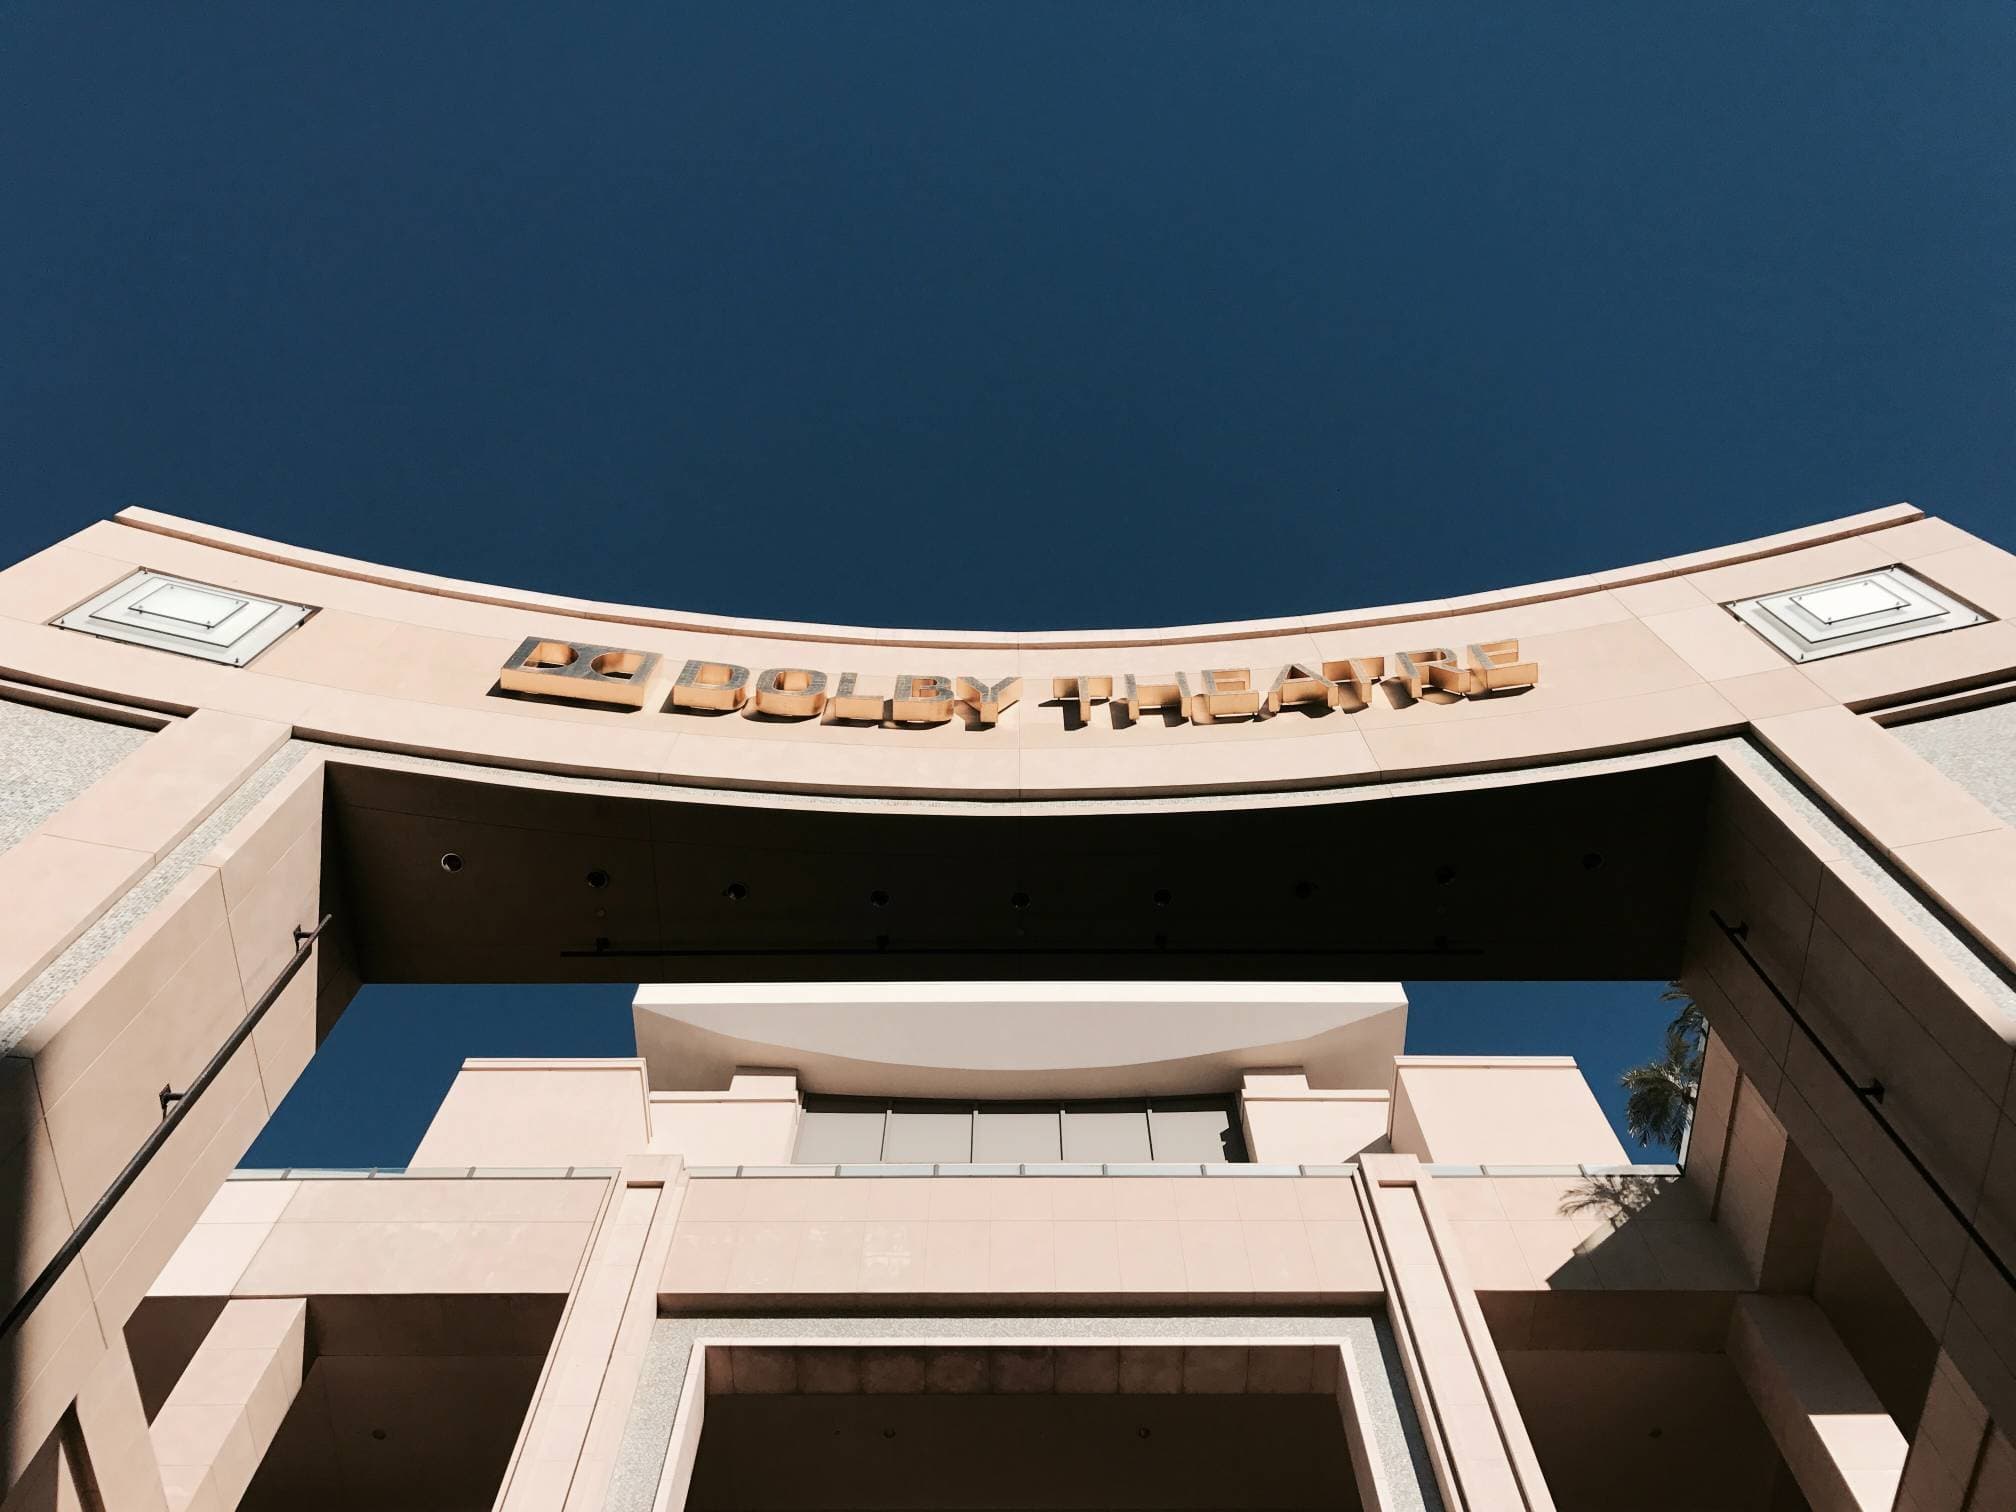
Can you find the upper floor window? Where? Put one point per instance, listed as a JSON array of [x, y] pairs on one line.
[[875, 1130]]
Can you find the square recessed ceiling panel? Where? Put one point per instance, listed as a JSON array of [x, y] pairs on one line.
[[1853, 614], [195, 619]]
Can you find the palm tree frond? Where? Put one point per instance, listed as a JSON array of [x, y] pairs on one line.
[[1661, 1092]]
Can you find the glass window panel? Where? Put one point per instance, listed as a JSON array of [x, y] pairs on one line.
[[923, 1132], [1106, 1131], [833, 1130], [1195, 1128], [867, 1130], [1014, 1132]]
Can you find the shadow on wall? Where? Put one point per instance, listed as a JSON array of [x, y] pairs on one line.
[[1649, 1235], [408, 1404], [1622, 1198]]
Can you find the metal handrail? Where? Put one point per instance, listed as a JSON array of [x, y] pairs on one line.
[[1869, 1094], [175, 1107]]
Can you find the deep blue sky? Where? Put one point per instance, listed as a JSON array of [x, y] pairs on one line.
[[1002, 315]]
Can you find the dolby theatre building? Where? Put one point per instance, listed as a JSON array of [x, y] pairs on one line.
[[1020, 1114]]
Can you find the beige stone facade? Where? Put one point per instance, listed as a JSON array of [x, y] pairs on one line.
[[1020, 1113]]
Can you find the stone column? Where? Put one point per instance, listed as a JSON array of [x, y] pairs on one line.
[[220, 1419], [149, 910], [1476, 1438], [566, 1452], [1792, 926], [114, 1450]]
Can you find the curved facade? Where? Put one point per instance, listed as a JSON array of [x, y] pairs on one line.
[[1015, 1052], [1638, 657]]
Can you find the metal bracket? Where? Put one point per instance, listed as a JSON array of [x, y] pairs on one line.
[[169, 1097]]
